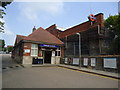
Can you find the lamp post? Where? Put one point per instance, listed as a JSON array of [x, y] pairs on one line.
[[79, 49]]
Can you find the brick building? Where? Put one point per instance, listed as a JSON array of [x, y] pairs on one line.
[[92, 38], [87, 39], [37, 48]]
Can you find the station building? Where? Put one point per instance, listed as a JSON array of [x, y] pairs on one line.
[[89, 37], [86, 45], [51, 45], [39, 47]]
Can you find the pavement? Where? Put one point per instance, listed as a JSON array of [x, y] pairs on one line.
[[93, 71], [87, 70]]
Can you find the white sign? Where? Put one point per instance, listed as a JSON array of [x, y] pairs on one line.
[[66, 60], [93, 61], [26, 50], [25, 46], [76, 61], [85, 61], [110, 63]]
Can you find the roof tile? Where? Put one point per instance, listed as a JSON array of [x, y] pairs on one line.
[[42, 35]]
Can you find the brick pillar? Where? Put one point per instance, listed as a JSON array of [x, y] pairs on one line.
[[100, 19]]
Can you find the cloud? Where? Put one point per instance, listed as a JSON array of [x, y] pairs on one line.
[[7, 30], [33, 11], [8, 35]]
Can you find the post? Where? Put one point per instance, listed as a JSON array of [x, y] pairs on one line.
[[74, 49], [66, 42], [79, 49]]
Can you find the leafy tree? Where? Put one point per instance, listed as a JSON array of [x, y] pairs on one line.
[[5, 49], [10, 49], [2, 13], [2, 44], [112, 23]]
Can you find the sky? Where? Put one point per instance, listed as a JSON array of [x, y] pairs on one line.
[[21, 17]]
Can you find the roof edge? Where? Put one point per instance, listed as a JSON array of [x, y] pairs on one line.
[[42, 42]]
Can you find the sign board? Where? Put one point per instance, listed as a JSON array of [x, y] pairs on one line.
[[76, 61], [26, 50], [93, 61], [85, 62], [46, 45], [66, 60], [110, 63], [25, 46]]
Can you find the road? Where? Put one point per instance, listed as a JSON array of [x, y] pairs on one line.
[[7, 60], [53, 77]]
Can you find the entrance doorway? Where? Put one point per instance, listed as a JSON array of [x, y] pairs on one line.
[[47, 56]]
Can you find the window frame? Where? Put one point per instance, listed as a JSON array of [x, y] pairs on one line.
[[57, 52], [34, 48]]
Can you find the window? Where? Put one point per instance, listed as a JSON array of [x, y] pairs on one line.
[[57, 52], [34, 50]]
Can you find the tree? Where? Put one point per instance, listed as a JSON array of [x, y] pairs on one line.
[[2, 13], [2, 44], [112, 23], [9, 49], [5, 49]]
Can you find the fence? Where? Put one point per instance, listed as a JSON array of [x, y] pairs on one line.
[[109, 63]]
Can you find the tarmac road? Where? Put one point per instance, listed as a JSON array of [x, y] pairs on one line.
[[7, 60], [50, 77], [54, 77]]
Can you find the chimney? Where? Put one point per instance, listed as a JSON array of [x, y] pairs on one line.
[[34, 29]]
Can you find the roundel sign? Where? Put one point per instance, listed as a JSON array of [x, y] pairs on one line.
[[92, 18]]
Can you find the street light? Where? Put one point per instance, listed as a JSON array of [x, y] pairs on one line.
[[79, 48]]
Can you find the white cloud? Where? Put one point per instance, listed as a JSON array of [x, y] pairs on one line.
[[7, 30], [33, 11], [8, 35], [2, 20]]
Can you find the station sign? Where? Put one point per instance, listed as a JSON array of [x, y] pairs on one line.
[[26, 50], [85, 61], [46, 45], [110, 62], [93, 61], [76, 61]]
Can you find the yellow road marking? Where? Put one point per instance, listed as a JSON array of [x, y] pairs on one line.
[[91, 74]]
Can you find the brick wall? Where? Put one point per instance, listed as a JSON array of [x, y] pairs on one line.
[[83, 27], [52, 29], [27, 46], [78, 28]]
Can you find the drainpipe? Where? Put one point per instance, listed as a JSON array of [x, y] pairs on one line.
[[79, 49]]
